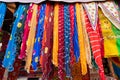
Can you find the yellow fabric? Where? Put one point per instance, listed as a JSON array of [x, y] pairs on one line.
[[110, 47], [31, 38], [81, 39], [87, 42], [55, 36]]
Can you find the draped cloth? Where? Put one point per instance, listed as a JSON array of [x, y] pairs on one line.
[[81, 38], [110, 39], [72, 57], [61, 50], [47, 44], [55, 36], [10, 53], [94, 37], [26, 32], [39, 35], [31, 37]]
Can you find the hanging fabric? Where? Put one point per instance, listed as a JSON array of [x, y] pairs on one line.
[[95, 45], [3, 9], [87, 43], [71, 11], [67, 39], [31, 37], [38, 39], [26, 32], [110, 47], [20, 28], [55, 35], [61, 50], [10, 54], [75, 38], [81, 38], [48, 41], [91, 9], [109, 9]]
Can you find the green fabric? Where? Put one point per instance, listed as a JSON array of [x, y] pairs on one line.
[[117, 36]]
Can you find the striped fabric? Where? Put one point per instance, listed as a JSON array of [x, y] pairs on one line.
[[72, 57], [95, 45], [61, 46], [67, 39]]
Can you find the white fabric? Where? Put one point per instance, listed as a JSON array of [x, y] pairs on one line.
[[92, 11], [110, 11]]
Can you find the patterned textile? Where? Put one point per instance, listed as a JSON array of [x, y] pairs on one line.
[[61, 46], [26, 32], [10, 54], [95, 45], [92, 11], [47, 43], [110, 39], [38, 39], [72, 57], [31, 37], [110, 10], [67, 39], [20, 28]]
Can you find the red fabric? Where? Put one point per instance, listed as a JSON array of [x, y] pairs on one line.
[[61, 63], [72, 58], [14, 75], [94, 37], [47, 48]]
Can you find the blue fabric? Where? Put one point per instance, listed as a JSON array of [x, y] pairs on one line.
[[3, 9], [75, 39], [39, 35], [10, 54], [67, 39], [116, 70]]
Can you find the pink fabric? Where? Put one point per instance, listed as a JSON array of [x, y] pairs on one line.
[[26, 33]]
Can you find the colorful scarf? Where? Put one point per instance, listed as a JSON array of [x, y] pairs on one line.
[[48, 41], [67, 39], [55, 36], [38, 39], [31, 38], [61, 42], [95, 45], [26, 32], [75, 38], [10, 54], [81, 38], [3, 9]]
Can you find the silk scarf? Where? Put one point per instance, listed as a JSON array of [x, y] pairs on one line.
[[81, 38], [31, 37], [38, 39], [95, 45], [10, 53]]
